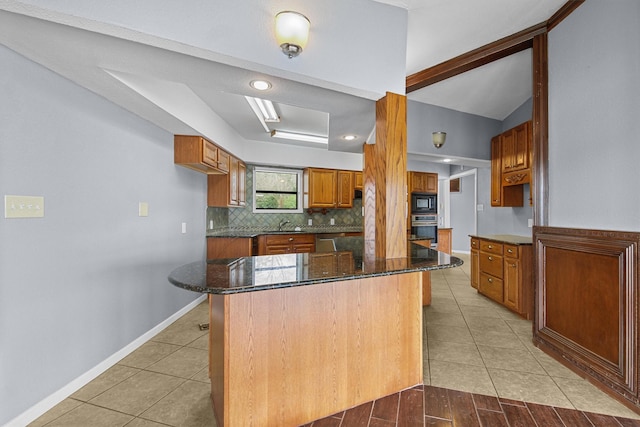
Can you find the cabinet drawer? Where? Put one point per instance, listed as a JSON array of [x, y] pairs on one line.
[[303, 247], [491, 287], [288, 239], [511, 251], [491, 264], [475, 243], [491, 247]]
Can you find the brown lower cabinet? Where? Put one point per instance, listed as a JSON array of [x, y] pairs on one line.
[[276, 244], [502, 271], [230, 247]]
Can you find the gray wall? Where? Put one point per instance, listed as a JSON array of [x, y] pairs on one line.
[[467, 134], [91, 276], [503, 220], [463, 213], [594, 117], [519, 115]]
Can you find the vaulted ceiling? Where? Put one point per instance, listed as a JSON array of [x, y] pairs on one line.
[[176, 82]]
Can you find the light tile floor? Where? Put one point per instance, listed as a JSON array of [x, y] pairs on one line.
[[471, 344], [475, 345]]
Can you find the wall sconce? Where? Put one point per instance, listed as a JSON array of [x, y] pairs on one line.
[[292, 32], [438, 138]]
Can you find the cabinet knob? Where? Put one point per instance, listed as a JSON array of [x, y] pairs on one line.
[[490, 247], [510, 251], [490, 280], [490, 258], [291, 239]]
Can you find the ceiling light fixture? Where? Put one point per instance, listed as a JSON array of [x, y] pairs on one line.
[[349, 137], [438, 138], [447, 160], [264, 111], [292, 32], [260, 85], [299, 136]]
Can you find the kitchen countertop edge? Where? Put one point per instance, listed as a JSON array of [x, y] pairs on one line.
[[512, 239]]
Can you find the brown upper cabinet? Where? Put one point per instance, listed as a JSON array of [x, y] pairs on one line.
[[511, 154], [199, 154], [228, 190], [328, 188], [358, 181], [422, 182], [515, 148]]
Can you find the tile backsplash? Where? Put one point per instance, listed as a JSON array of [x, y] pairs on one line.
[[243, 217]]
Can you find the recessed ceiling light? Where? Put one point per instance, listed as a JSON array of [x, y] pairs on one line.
[[260, 84], [349, 137], [447, 160]]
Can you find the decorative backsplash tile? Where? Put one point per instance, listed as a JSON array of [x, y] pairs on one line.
[[243, 217]]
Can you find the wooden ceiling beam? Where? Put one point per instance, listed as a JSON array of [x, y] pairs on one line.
[[488, 53], [476, 58]]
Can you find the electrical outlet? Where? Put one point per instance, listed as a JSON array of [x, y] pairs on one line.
[[530, 222], [310, 222], [23, 206], [332, 221], [184, 227]]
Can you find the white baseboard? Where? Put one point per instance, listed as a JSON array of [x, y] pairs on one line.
[[52, 400], [461, 252]]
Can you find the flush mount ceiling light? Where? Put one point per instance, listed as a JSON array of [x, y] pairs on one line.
[[438, 138], [447, 160], [349, 137], [292, 32], [299, 136], [264, 111], [260, 85]]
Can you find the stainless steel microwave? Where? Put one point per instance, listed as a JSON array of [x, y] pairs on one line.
[[424, 203]]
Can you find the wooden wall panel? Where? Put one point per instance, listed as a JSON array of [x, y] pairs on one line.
[[302, 353], [587, 304]]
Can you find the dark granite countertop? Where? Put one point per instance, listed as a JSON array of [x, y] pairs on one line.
[[235, 275], [512, 239], [254, 231]]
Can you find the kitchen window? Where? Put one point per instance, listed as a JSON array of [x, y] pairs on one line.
[[277, 190]]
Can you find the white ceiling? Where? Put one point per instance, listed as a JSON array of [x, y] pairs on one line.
[[177, 86]]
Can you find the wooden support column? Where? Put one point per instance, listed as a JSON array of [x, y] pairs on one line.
[[385, 182]]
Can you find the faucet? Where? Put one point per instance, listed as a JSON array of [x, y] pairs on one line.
[[283, 222]]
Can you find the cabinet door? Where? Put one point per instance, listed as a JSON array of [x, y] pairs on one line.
[[431, 182], [521, 146], [419, 182], [508, 153], [496, 171], [242, 184], [358, 179], [233, 181], [512, 284], [322, 188], [345, 189], [209, 154], [475, 268], [223, 161]]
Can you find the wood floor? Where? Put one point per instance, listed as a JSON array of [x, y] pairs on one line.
[[440, 407]]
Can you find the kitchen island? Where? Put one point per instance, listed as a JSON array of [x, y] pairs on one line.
[[297, 337]]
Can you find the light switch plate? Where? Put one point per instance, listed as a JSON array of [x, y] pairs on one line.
[[143, 209], [23, 206]]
